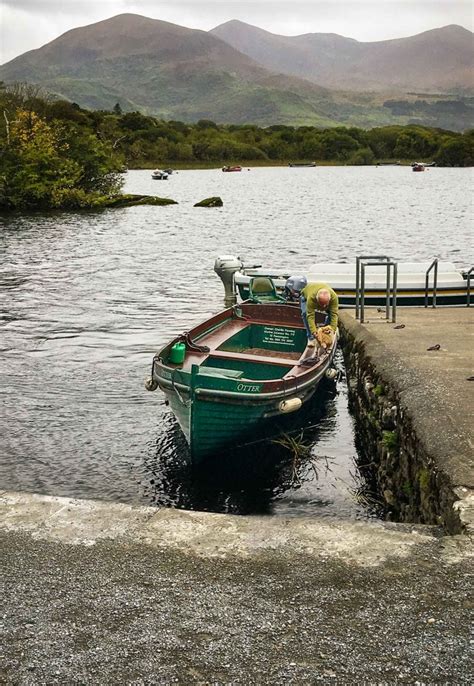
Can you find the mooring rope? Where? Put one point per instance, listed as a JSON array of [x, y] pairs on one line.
[[186, 403]]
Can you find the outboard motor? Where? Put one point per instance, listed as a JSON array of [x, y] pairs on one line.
[[225, 267]]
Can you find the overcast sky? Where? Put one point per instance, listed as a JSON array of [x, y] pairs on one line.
[[28, 24]]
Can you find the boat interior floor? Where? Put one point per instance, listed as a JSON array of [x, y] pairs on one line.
[[248, 357], [216, 338]]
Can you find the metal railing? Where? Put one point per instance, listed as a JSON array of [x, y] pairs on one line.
[[433, 266], [358, 261], [390, 284], [468, 290]]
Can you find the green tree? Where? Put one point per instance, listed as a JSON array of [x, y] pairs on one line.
[[135, 120], [311, 148], [383, 141], [39, 174], [456, 152], [206, 124], [337, 144], [415, 142], [362, 156], [49, 164]]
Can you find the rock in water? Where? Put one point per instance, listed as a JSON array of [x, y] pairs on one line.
[[131, 199], [210, 202]]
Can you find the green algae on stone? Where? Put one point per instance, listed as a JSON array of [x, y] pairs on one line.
[[390, 440], [131, 199], [210, 202], [424, 479]]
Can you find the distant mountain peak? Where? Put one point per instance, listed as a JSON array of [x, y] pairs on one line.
[[437, 60], [235, 22], [238, 73]]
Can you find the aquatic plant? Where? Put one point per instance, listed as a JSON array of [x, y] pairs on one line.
[[301, 455]]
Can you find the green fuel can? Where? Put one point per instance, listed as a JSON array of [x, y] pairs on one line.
[[178, 352]]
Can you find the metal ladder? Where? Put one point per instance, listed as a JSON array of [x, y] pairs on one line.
[[364, 261], [434, 266]]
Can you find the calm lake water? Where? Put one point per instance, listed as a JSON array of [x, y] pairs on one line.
[[87, 298]]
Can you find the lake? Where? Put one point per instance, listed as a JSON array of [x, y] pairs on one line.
[[87, 298]]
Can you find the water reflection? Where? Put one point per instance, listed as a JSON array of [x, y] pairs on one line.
[[263, 476], [243, 480]]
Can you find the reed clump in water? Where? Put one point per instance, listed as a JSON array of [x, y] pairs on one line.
[[301, 455]]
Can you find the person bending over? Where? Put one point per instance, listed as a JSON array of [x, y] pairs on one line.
[[321, 297]]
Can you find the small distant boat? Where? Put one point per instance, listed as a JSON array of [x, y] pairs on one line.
[[418, 167], [160, 175], [422, 164], [301, 164], [240, 371], [235, 168]]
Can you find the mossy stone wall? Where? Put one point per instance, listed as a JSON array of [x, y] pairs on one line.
[[406, 479]]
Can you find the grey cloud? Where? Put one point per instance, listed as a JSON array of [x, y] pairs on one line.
[[47, 5]]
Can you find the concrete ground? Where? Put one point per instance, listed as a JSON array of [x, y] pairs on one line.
[[436, 386], [104, 593]]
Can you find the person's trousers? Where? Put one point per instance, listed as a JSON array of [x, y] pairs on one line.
[[305, 318]]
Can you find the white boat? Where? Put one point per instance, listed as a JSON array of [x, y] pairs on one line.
[[159, 175], [452, 284]]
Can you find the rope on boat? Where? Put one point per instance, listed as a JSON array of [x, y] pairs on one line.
[[191, 345], [318, 356], [237, 311], [186, 403], [151, 384]]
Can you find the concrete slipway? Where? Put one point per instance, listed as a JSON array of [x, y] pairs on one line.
[[105, 593]]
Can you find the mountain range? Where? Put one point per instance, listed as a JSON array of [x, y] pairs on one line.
[[238, 73], [439, 61]]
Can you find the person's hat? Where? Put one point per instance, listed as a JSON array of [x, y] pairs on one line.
[[296, 283]]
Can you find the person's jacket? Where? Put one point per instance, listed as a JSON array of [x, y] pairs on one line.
[[309, 294]]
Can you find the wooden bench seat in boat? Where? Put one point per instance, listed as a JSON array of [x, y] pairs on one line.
[[220, 335], [218, 371], [245, 357], [268, 352]]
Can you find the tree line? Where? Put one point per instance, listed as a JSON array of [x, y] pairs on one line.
[[54, 153], [146, 140]]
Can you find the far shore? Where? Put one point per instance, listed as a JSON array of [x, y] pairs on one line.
[[146, 164]]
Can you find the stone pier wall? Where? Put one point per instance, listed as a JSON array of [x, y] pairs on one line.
[[405, 475]]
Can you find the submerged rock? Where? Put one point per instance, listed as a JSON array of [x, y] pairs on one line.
[[210, 202], [131, 199]]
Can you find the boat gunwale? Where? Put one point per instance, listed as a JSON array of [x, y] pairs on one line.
[[261, 396]]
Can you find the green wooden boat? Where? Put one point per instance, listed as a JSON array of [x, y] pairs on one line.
[[238, 371]]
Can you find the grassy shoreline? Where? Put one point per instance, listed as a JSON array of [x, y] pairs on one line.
[[146, 164]]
